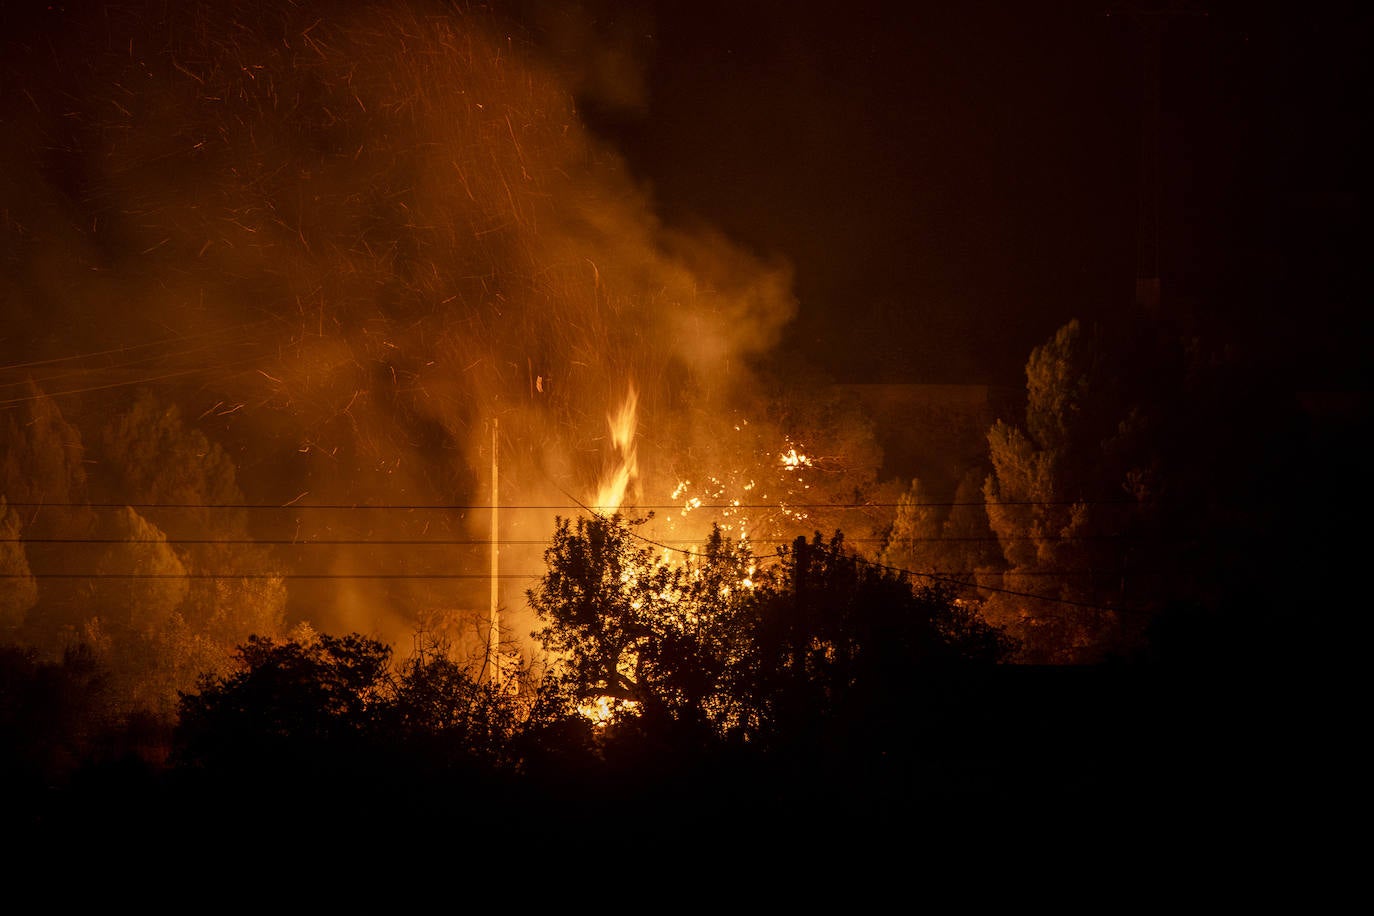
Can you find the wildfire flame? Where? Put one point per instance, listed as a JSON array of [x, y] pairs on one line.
[[604, 710], [793, 460], [616, 483]]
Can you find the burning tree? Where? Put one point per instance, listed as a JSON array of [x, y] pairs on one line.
[[638, 630], [343, 238], [715, 642]]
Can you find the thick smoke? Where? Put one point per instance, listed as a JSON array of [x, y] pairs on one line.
[[344, 241]]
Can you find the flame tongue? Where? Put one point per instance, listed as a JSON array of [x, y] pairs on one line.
[[615, 483]]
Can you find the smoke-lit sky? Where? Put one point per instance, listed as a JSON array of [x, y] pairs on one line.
[[952, 181], [345, 237]]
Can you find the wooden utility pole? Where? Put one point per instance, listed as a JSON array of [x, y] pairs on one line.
[[494, 614]]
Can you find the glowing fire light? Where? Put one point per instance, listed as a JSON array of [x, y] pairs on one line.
[[611, 494], [793, 460], [603, 710]]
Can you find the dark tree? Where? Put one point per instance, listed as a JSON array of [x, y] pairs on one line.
[[633, 632], [440, 710], [51, 714], [823, 658], [839, 644], [294, 703]]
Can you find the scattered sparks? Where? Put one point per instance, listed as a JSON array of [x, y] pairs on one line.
[[407, 246]]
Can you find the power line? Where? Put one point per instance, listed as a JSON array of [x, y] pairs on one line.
[[665, 544], [516, 542], [221, 576], [9, 403], [219, 333], [1030, 573], [218, 346], [600, 510], [284, 542], [938, 577], [963, 583]]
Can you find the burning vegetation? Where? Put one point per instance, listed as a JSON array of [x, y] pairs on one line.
[[271, 276], [322, 319]]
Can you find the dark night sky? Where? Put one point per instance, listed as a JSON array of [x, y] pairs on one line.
[[952, 182]]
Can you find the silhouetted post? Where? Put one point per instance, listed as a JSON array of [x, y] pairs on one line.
[[493, 618]]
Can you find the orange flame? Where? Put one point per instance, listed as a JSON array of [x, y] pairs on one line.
[[616, 483]]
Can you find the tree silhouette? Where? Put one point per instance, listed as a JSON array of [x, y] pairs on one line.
[[442, 712], [823, 643], [635, 633], [838, 642], [1057, 494], [294, 704]]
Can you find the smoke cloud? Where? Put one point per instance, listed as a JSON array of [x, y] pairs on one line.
[[345, 241]]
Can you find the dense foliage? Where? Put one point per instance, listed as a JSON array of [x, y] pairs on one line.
[[673, 681], [711, 641]]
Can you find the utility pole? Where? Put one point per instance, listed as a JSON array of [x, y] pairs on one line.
[[494, 614]]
